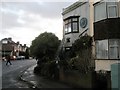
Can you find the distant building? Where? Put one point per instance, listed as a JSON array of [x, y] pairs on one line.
[[9, 47]]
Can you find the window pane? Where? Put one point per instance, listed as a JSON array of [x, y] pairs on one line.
[[75, 27], [113, 51], [102, 49], [114, 46], [100, 11], [112, 11], [69, 27], [65, 28]]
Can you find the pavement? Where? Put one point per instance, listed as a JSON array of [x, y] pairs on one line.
[[36, 81]]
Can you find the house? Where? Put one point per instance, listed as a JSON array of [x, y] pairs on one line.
[[9, 47], [100, 20], [106, 34], [77, 21]]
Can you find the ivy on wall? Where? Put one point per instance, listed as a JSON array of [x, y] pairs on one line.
[[81, 61], [82, 43]]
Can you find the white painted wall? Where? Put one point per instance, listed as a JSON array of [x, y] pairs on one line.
[[82, 11], [104, 64]]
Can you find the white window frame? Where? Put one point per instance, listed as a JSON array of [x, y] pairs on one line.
[[108, 8]]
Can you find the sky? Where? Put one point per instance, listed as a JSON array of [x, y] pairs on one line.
[[25, 20]]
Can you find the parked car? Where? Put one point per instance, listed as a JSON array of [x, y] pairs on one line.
[[20, 57]]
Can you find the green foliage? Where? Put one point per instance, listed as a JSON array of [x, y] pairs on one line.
[[45, 46], [49, 69], [27, 54], [83, 43], [79, 56]]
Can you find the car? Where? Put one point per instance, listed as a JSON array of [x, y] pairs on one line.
[[20, 57]]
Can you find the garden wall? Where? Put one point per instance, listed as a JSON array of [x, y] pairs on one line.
[[76, 79]]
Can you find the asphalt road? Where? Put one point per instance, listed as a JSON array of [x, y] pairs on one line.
[[11, 73]]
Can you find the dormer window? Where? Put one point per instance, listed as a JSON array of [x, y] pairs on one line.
[[71, 24]]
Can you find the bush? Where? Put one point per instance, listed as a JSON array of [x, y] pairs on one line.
[[83, 43], [79, 56]]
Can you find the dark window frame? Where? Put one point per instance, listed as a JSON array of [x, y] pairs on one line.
[[70, 20]]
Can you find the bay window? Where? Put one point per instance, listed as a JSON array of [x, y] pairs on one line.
[[72, 25]]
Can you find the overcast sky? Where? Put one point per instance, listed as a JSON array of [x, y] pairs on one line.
[[23, 21]]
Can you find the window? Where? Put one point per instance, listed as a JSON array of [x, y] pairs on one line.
[[112, 11], [108, 49], [75, 26], [71, 25], [114, 46], [100, 11], [102, 49]]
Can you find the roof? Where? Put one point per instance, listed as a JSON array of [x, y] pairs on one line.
[[72, 7]]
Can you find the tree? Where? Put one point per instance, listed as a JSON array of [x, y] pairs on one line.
[[27, 54], [45, 46]]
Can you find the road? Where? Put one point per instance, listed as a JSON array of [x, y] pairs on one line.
[[11, 73]]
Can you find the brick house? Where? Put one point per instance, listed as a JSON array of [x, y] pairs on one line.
[[9, 47]]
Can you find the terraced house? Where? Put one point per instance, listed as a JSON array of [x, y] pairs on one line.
[[9, 47]]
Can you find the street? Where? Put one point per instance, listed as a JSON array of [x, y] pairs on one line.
[[11, 73]]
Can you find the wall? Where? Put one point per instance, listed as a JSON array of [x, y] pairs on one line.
[[82, 11], [104, 64], [76, 79]]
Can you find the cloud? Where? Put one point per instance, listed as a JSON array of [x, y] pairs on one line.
[[23, 21], [13, 13]]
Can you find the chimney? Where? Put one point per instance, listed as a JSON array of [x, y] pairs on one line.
[[18, 43], [24, 45], [10, 39]]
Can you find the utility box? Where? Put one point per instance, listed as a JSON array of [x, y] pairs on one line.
[[115, 76]]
